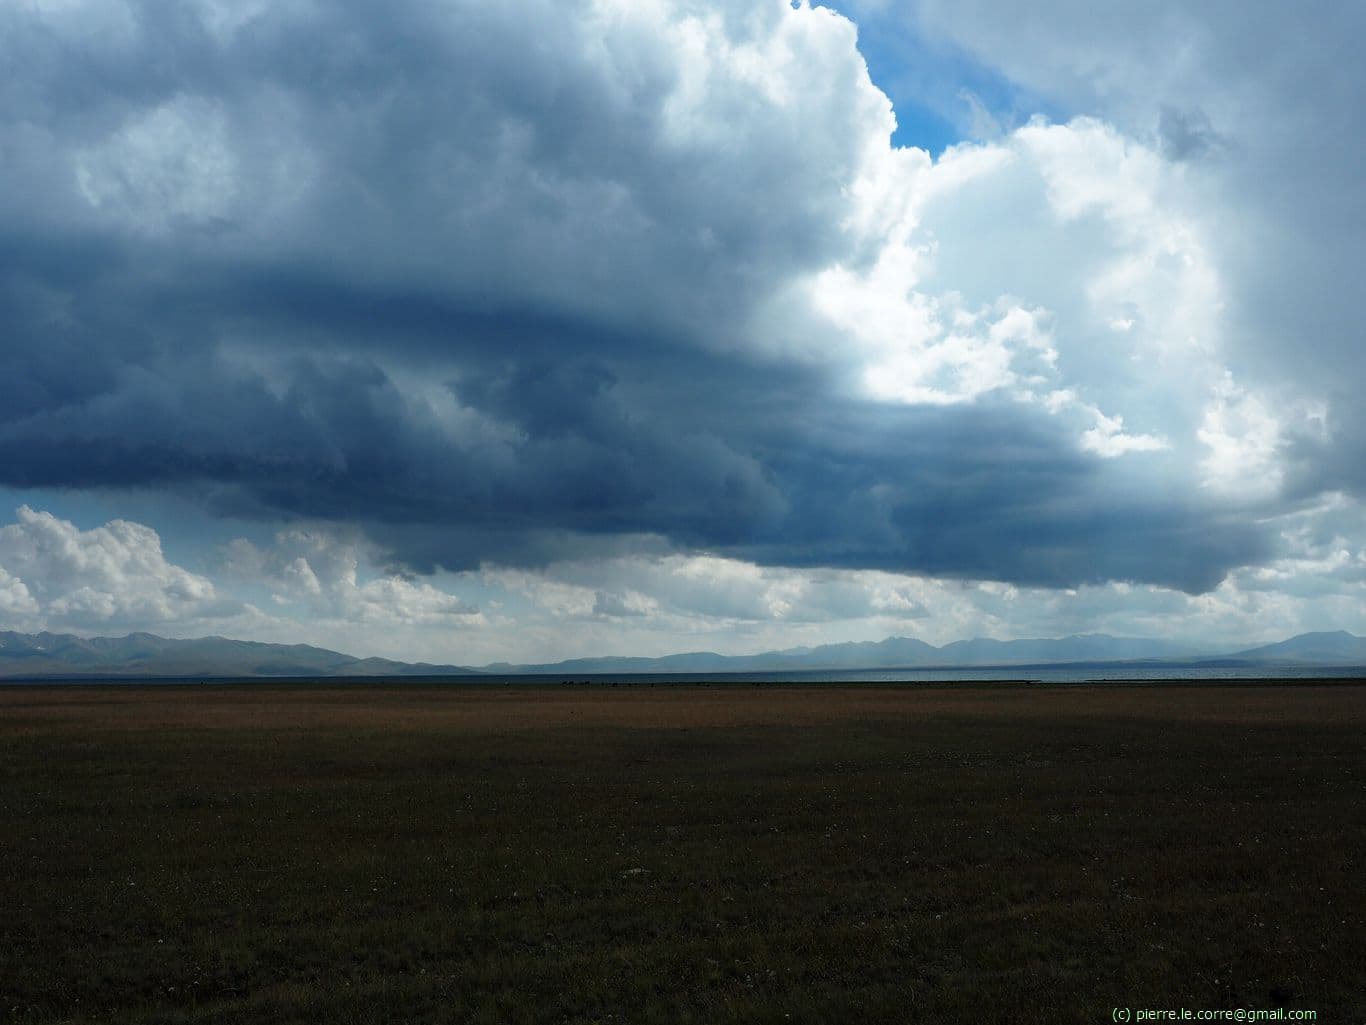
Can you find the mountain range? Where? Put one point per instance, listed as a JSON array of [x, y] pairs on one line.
[[65, 656], [25, 656]]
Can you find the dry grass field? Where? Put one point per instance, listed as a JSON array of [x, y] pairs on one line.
[[819, 854]]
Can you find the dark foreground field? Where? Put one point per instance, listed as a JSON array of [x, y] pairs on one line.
[[1010, 854]]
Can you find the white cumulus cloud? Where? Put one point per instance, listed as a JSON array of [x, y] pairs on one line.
[[115, 575], [321, 573]]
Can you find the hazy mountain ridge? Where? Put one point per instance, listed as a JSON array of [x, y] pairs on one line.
[[891, 653], [1319, 648], [143, 654], [49, 655]]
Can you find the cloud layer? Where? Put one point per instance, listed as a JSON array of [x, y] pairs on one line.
[[500, 288], [330, 590]]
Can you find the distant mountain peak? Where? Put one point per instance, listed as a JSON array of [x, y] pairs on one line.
[[1319, 647]]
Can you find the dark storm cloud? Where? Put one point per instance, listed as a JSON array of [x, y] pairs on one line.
[[973, 492], [736, 460], [477, 293], [1333, 457], [1186, 135]]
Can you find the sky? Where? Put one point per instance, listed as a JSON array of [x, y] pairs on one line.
[[466, 332]]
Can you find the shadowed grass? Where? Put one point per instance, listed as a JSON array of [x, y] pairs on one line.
[[1028, 854]]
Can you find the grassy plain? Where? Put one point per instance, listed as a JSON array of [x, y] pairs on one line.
[[1025, 854]]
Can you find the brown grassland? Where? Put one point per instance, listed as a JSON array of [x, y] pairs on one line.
[[818, 854]]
